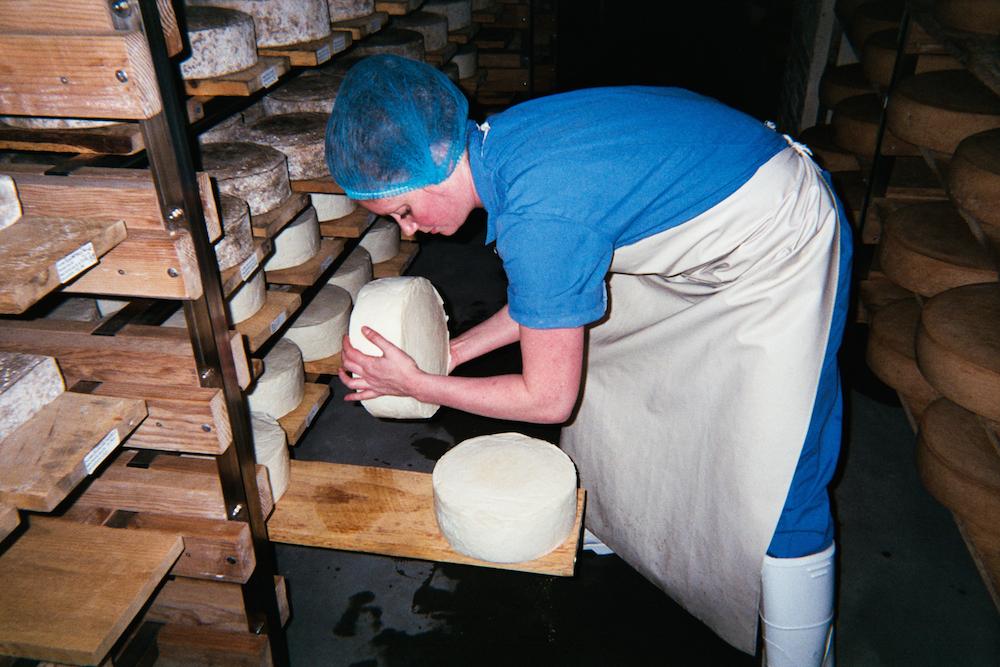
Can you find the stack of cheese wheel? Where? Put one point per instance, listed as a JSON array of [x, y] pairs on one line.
[[433, 27], [236, 243], [975, 16], [332, 207], [879, 57], [974, 182], [256, 174], [281, 22], [354, 272], [248, 298], [270, 446], [222, 42], [297, 243], [300, 136], [319, 329], [843, 81], [458, 12], [505, 498], [892, 353], [381, 240], [305, 93], [855, 124], [229, 128], [345, 10], [466, 58], [409, 313], [394, 41], [821, 141], [281, 387]]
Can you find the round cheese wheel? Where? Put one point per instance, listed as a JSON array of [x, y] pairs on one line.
[[939, 109], [433, 27], [300, 136], [229, 128], [332, 207], [236, 243], [976, 16], [281, 387], [75, 309], [305, 93], [974, 181], [958, 346], [879, 57], [320, 328], [458, 12], [843, 81], [877, 292], [855, 125], [256, 174], [958, 465], [395, 41], [505, 498], [467, 59], [354, 272], [409, 313], [892, 352], [247, 299], [871, 17], [270, 447], [281, 22], [222, 42], [928, 248], [821, 140], [39, 123], [297, 243], [381, 240], [344, 10]]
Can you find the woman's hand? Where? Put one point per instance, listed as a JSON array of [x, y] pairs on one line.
[[393, 374]]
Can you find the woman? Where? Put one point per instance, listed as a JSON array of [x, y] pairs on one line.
[[698, 383]]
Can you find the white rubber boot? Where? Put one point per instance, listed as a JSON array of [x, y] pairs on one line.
[[796, 610]]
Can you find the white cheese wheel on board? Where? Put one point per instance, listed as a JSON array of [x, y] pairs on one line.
[[300, 136], [433, 27], [879, 57], [976, 16], [458, 12], [892, 353], [505, 498], [332, 207], [256, 174], [467, 59], [281, 387], [10, 203], [394, 41], [320, 328], [281, 22], [236, 243], [974, 181], [345, 10], [222, 42], [298, 242], [110, 306], [354, 272], [248, 298], [40, 123], [381, 240], [305, 93], [28, 382], [270, 447], [409, 313], [843, 81]]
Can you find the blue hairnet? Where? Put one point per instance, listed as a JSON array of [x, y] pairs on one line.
[[397, 125]]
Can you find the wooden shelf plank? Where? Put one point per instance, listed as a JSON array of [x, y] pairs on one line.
[[44, 459], [441, 56], [264, 74], [362, 26], [328, 366], [235, 276], [119, 139], [463, 35], [272, 315], [312, 53], [397, 7], [267, 225], [307, 273], [38, 255], [398, 264], [70, 590], [351, 226], [186, 645], [298, 420], [325, 186], [383, 511], [10, 519], [208, 604]]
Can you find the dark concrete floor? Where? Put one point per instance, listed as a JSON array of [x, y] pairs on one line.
[[909, 593]]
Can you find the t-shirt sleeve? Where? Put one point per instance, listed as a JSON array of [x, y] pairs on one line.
[[555, 270]]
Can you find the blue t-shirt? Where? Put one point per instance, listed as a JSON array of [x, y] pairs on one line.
[[568, 178]]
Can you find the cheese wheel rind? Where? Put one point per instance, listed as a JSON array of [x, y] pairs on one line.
[[254, 173], [248, 298], [300, 136], [892, 352], [270, 445], [381, 240], [319, 329], [222, 42], [345, 10], [281, 22], [236, 243], [433, 27], [281, 387], [458, 12], [354, 273], [297, 243]]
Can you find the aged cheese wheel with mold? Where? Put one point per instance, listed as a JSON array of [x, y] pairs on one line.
[[299, 136], [305, 93], [319, 329], [281, 22], [345, 10], [467, 60], [332, 207], [256, 174], [236, 243], [394, 41], [222, 42], [458, 12], [433, 27]]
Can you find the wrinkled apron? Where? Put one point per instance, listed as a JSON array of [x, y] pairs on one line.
[[699, 389]]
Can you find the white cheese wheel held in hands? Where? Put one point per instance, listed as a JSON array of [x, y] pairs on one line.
[[281, 386], [319, 329], [505, 498], [409, 313]]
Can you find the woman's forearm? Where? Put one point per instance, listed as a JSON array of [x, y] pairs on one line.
[[493, 333]]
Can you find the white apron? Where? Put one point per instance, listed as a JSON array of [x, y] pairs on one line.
[[699, 389]]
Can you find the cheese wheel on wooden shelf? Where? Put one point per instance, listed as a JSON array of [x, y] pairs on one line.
[[41, 123], [10, 203], [222, 42], [409, 313], [281, 387], [332, 207], [300, 136], [892, 353], [236, 243], [872, 17], [110, 306], [305, 93], [467, 60], [855, 125], [843, 81], [879, 57], [28, 382], [394, 41], [505, 498], [270, 446], [928, 248], [281, 22], [433, 27], [878, 292], [958, 346], [256, 174], [229, 128], [354, 272], [974, 181], [320, 328], [822, 142], [248, 298], [937, 110], [345, 10], [74, 309], [975, 16], [458, 12], [297, 243], [381, 240]]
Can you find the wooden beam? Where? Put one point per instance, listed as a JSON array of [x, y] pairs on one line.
[[184, 645], [207, 604], [10, 519]]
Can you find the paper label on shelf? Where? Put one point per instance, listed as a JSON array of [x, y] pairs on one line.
[[327, 261], [323, 54], [277, 322], [248, 266], [72, 264], [339, 43], [312, 415], [269, 77], [100, 451]]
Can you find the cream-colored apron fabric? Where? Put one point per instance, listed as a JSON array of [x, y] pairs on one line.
[[700, 385]]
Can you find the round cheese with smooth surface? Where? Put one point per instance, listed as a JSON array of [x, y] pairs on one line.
[[872, 17], [393, 41], [458, 12], [975, 16], [236, 243], [332, 207], [381, 240], [300, 136], [928, 248], [843, 81], [345, 10], [222, 42], [281, 387], [892, 352], [821, 140], [974, 180], [877, 292], [354, 272], [281, 22], [879, 57], [256, 174], [297, 243], [505, 498], [433, 27], [270, 446], [314, 94], [467, 60], [320, 328], [855, 125], [409, 313], [248, 298], [958, 346]]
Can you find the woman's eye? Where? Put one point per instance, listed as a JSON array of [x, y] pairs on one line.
[[404, 214]]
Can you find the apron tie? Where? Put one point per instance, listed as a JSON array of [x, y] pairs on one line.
[[801, 149]]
